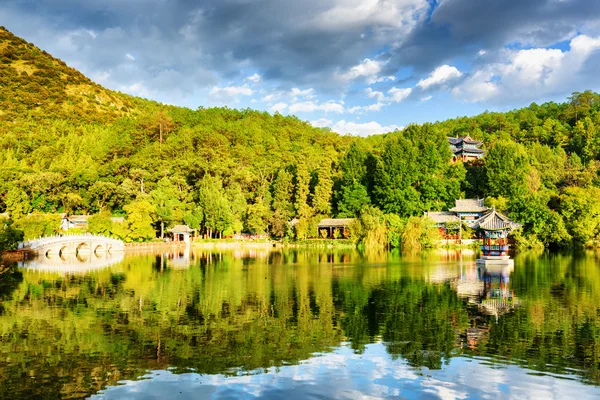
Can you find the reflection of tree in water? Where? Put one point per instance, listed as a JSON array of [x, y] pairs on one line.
[[77, 334], [10, 279], [416, 320]]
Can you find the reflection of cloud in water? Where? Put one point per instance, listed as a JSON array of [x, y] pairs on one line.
[[76, 264], [372, 374]]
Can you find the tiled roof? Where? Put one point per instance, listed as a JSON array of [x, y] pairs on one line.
[[181, 229], [463, 150], [469, 205], [494, 221], [442, 217], [464, 139], [335, 222]]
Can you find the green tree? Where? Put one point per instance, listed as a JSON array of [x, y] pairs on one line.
[[141, 214], [321, 200]]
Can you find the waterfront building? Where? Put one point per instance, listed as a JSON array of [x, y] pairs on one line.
[[181, 233], [469, 210]]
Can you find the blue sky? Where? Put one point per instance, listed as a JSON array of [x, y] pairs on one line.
[[356, 66]]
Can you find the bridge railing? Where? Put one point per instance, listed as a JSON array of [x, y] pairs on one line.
[[64, 238]]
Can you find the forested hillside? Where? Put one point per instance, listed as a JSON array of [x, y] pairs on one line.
[[69, 145]]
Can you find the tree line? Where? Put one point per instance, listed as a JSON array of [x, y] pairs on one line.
[[223, 171]]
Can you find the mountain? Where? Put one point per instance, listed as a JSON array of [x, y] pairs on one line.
[[70, 145], [33, 82]]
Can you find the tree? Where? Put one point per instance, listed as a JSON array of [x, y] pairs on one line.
[[141, 214], [17, 203], [302, 185], [353, 199], [214, 204], [168, 203], [10, 236], [507, 167], [321, 200], [100, 224]]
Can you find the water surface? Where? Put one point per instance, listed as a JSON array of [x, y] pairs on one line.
[[302, 324]]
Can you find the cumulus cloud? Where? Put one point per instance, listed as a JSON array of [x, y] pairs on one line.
[[532, 74], [321, 122], [363, 109], [399, 94], [440, 76], [229, 93], [362, 129], [189, 53], [373, 94], [279, 107], [254, 78], [368, 70], [312, 106]]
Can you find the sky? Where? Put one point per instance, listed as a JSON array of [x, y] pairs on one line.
[[356, 66]]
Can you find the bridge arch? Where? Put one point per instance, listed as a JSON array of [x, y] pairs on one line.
[[83, 248], [99, 249], [64, 251]]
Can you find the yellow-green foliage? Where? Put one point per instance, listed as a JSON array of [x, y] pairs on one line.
[[39, 225], [418, 233]]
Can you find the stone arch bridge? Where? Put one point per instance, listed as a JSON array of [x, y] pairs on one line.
[[63, 245]]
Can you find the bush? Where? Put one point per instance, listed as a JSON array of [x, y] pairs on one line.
[[10, 237]]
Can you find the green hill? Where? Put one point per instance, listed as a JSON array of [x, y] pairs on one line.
[[70, 145]]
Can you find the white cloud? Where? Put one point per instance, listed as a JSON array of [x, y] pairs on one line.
[[426, 98], [367, 70], [398, 16], [440, 75], [532, 74], [255, 78], [311, 106], [362, 109], [399, 94], [229, 93], [321, 122], [307, 93], [137, 89], [364, 129], [279, 107], [129, 57], [373, 94]]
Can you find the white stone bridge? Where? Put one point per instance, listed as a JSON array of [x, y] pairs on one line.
[[63, 245]]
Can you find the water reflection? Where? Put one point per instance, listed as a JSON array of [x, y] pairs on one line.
[[342, 374], [73, 263], [213, 316]]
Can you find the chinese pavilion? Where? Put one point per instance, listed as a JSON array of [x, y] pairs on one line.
[[494, 228], [466, 148]]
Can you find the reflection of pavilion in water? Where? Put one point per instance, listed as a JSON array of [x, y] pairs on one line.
[[488, 287], [73, 263]]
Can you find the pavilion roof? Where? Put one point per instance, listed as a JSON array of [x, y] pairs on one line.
[[475, 151], [181, 229], [463, 139], [442, 217], [495, 221], [469, 205], [335, 222]]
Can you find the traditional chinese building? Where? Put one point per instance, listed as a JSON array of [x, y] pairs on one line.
[[446, 222], [494, 228], [466, 148], [469, 210], [181, 233]]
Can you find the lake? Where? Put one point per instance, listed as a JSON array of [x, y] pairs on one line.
[[301, 324]]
